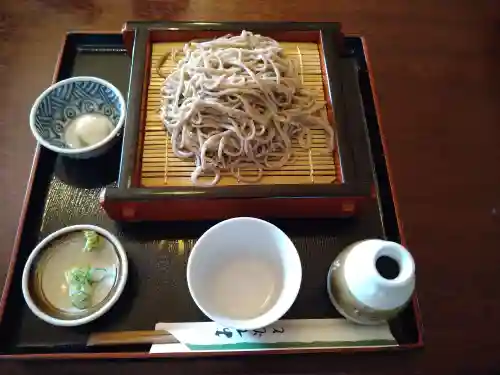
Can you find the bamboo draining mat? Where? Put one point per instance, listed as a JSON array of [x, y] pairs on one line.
[[160, 167]]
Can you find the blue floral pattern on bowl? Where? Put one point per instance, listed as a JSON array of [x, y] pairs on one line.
[[63, 104]]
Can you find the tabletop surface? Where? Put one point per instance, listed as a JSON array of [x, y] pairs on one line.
[[435, 65]]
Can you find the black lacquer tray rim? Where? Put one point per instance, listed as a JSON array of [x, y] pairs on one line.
[[107, 355]]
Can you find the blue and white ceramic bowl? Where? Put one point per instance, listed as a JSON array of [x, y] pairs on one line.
[[64, 101]]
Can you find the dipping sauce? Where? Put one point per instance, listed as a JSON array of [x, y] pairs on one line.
[[87, 130]]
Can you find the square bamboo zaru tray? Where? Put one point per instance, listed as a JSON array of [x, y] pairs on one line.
[[159, 167], [154, 184]]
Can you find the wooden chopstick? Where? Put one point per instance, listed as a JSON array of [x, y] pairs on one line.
[[131, 337]]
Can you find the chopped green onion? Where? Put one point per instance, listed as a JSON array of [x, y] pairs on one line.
[[80, 281], [80, 295], [96, 275]]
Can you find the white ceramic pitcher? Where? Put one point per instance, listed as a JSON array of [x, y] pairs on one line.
[[371, 281]]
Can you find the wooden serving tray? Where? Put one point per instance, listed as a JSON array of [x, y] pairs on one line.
[[155, 185], [64, 192]]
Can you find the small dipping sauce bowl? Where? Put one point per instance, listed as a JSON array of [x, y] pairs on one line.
[[44, 282], [244, 273], [90, 104]]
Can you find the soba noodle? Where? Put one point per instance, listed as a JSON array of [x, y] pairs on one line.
[[235, 103]]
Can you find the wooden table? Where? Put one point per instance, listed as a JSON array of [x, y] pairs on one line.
[[436, 66]]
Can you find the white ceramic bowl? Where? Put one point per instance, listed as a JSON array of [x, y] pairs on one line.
[[50, 314], [244, 273], [64, 101]]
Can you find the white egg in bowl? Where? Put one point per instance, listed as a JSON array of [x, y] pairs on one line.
[[79, 117]]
